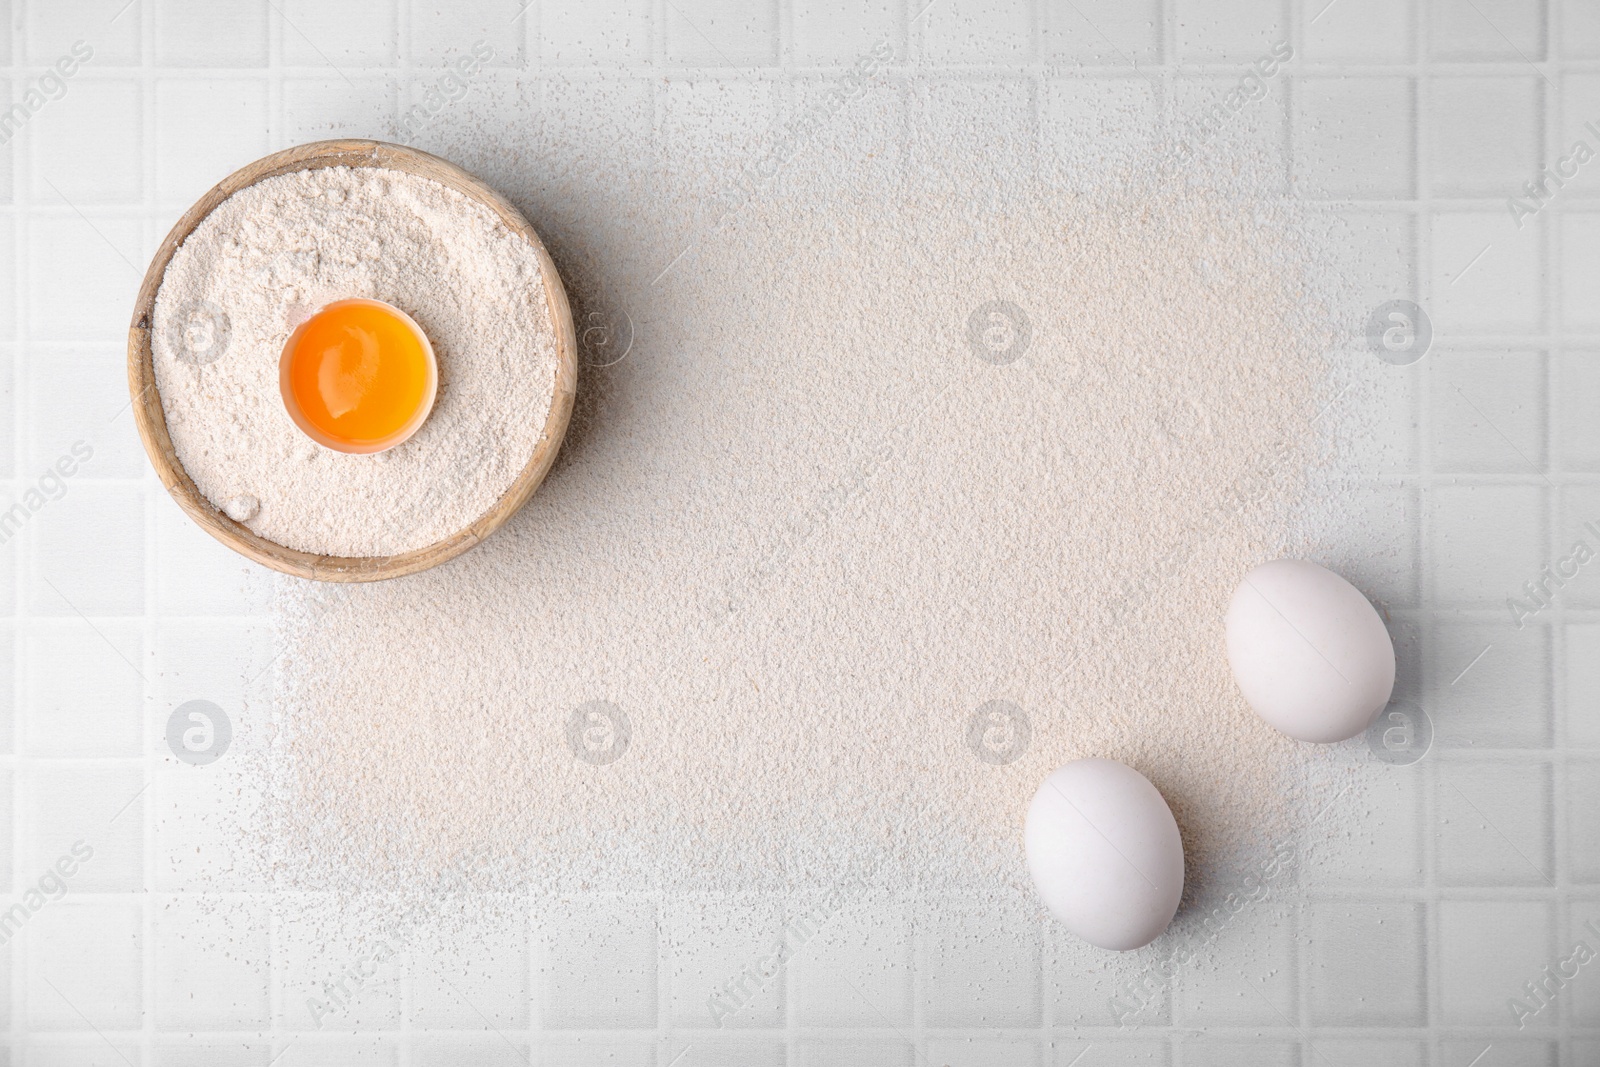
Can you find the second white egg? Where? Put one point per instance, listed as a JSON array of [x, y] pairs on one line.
[[1309, 651]]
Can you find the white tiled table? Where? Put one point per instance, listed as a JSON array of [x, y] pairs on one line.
[[1412, 119]]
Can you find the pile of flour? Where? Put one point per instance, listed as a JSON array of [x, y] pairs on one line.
[[267, 258]]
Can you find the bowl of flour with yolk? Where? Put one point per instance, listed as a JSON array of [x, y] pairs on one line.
[[256, 258]]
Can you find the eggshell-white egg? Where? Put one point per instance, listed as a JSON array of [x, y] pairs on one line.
[[1309, 652], [1104, 853]]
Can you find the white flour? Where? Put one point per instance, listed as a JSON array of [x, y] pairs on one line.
[[806, 534], [272, 254]]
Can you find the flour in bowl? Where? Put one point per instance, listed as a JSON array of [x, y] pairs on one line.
[[272, 254]]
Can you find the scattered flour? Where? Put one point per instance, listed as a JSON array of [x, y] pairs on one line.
[[748, 636], [268, 257]]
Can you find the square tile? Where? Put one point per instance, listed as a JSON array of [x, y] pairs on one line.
[[1260, 127], [479, 979], [1510, 1051], [1580, 269], [1354, 137], [211, 959], [1582, 800], [50, 30], [1580, 31], [65, 1051], [729, 961], [596, 1054], [226, 662], [1256, 986], [1377, 252], [1359, 31], [319, 109], [336, 1050], [198, 575], [8, 687], [577, 33], [1002, 112], [84, 690], [1113, 1052], [864, 1052], [87, 552], [196, 843], [1238, 29], [974, 973], [1375, 544], [722, 33], [1087, 989], [8, 868], [85, 965], [80, 429], [1487, 949], [1367, 965], [336, 984], [1487, 29], [81, 275], [1580, 116], [8, 320], [829, 32], [5, 31], [1100, 112], [722, 1051], [1374, 1051], [1486, 541], [444, 32], [200, 33], [486, 1050], [176, 1051], [1380, 416], [1386, 849], [1484, 134], [1570, 576], [82, 144], [727, 120], [206, 130], [1495, 824], [1214, 1052], [1580, 684], [1499, 698], [1102, 32], [319, 34], [1576, 436], [439, 103], [1487, 277], [9, 131], [602, 974], [984, 1052], [964, 31], [1580, 997], [86, 820], [1487, 412], [856, 971]]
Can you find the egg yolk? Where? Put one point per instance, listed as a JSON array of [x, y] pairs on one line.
[[358, 373]]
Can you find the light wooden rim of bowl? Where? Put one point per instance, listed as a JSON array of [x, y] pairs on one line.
[[152, 422]]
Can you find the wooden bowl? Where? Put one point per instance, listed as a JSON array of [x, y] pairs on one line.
[[152, 420]]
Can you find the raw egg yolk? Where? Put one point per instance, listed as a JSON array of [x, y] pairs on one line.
[[358, 372]]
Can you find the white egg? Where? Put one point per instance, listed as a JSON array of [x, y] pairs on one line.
[[1309, 652], [1104, 853]]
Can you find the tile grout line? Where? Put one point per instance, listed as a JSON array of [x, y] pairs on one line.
[[14, 547], [148, 811]]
